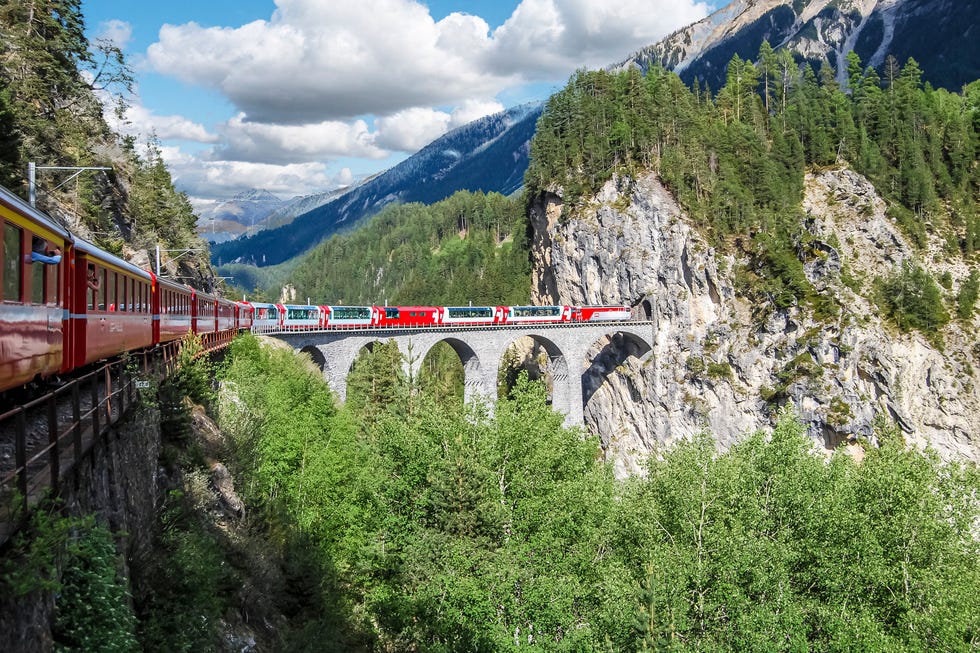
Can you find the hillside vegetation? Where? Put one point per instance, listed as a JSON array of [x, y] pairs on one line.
[[408, 526], [51, 79]]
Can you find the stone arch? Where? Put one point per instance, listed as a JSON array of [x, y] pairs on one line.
[[468, 357], [621, 345], [474, 377], [351, 355], [557, 368], [318, 358]]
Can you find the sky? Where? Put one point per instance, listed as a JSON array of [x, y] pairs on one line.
[[305, 96]]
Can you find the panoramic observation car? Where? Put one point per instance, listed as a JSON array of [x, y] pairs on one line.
[[472, 315], [536, 314], [304, 317], [348, 317], [266, 317]]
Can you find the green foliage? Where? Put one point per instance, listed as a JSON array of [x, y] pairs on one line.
[[92, 612], [966, 298], [911, 298], [376, 382], [468, 247], [736, 161], [188, 583], [31, 563], [194, 372], [441, 375], [159, 212], [770, 548], [75, 559], [442, 529]]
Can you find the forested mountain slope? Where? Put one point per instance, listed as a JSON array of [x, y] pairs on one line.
[[940, 34]]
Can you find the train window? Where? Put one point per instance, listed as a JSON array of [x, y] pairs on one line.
[[54, 274], [124, 291], [12, 256], [38, 272], [111, 297]]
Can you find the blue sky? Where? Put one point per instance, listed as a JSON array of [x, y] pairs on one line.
[[304, 96]]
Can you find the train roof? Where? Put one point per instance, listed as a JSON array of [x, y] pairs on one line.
[[173, 285], [95, 252], [16, 204]]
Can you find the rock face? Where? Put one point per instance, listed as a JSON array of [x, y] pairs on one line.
[[724, 365], [119, 483]]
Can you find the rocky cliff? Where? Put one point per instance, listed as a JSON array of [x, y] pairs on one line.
[[723, 364]]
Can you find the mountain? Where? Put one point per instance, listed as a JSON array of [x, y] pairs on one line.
[[943, 36], [230, 219], [292, 209], [489, 155]]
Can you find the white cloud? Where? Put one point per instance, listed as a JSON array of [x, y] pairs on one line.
[[472, 110], [117, 32], [551, 38], [143, 121], [255, 141], [326, 80], [325, 61], [411, 129], [222, 180], [315, 61]]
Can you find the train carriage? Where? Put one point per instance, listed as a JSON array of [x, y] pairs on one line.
[[406, 316], [171, 310], [536, 314], [350, 316], [601, 313], [225, 314], [266, 317], [34, 271], [302, 317], [204, 317], [471, 315], [244, 316], [111, 307]]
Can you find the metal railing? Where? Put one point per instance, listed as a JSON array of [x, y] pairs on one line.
[[52, 434]]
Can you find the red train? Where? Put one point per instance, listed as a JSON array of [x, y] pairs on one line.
[[307, 317], [67, 303]]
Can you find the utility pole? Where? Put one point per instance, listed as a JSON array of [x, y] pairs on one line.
[[32, 169]]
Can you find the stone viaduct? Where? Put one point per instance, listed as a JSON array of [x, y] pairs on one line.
[[481, 350]]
